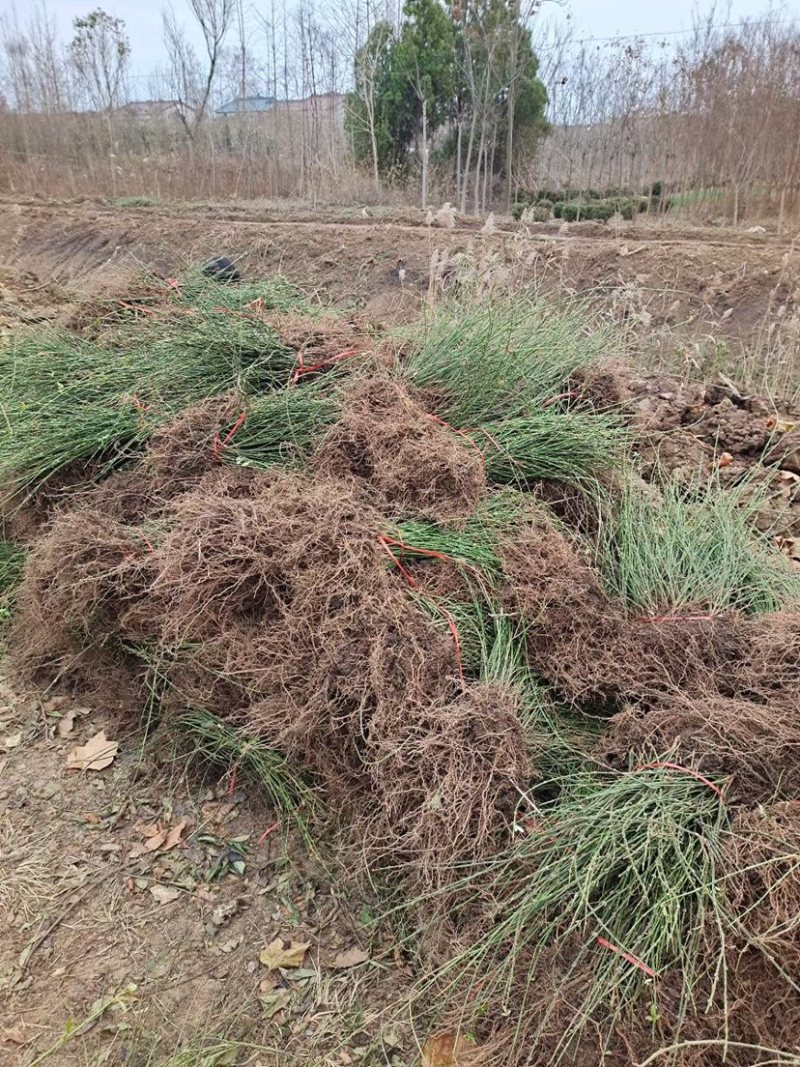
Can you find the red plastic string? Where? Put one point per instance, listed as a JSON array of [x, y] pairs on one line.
[[146, 541], [417, 551], [331, 361], [269, 830], [387, 542], [456, 640], [217, 445], [627, 957], [683, 770]]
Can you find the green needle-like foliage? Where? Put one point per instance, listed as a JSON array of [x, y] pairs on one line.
[[677, 549], [629, 861], [491, 360]]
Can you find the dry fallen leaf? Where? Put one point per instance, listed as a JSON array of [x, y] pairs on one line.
[[351, 957], [97, 754], [12, 741], [447, 1050], [155, 842], [275, 955], [165, 894], [725, 459], [174, 835], [276, 1001], [66, 723], [16, 1035]]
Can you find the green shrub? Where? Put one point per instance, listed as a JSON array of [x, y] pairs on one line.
[[572, 210], [599, 210], [135, 201]]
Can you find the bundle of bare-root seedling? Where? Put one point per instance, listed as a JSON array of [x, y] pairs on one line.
[[564, 740]]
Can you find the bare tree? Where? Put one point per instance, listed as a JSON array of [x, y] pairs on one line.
[[100, 51], [191, 84]]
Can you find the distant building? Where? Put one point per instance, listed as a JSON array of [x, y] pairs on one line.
[[242, 105], [330, 102], [151, 109]]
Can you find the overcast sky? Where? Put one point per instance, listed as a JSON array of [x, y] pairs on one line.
[[590, 18]]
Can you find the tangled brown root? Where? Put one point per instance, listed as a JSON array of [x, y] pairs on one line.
[[757, 747], [81, 579], [408, 463], [447, 781], [763, 852]]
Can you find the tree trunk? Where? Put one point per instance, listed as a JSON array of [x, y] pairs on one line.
[[481, 154], [373, 138], [468, 163], [511, 106], [424, 153], [459, 137]]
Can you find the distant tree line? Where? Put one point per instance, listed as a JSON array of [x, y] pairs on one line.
[[485, 103], [455, 83]]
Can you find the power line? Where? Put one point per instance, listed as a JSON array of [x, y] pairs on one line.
[[676, 33]]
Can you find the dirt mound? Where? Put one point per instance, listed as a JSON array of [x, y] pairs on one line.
[[689, 430]]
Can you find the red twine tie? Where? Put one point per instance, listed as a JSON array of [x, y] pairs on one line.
[[217, 445], [386, 543], [682, 770], [331, 361], [627, 957]]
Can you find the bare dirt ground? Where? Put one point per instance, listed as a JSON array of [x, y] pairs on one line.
[[695, 280], [128, 935], [127, 932]]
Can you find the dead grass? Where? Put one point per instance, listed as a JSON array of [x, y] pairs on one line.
[[26, 882]]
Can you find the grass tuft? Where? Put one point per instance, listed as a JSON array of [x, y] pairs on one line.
[[219, 743], [66, 400], [12, 562], [630, 861], [569, 447], [493, 360], [668, 552], [283, 427]]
